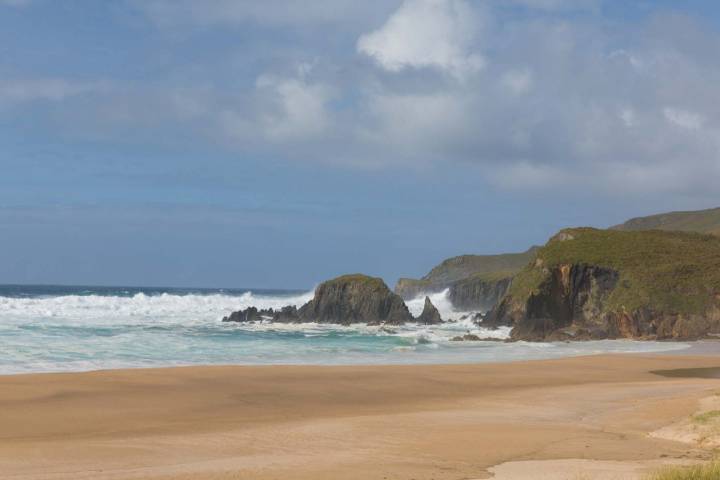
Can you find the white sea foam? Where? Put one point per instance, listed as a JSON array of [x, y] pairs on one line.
[[139, 308], [88, 332]]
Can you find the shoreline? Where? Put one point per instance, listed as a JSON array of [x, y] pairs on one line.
[[315, 422], [447, 357]]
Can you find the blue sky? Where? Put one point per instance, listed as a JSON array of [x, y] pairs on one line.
[[279, 143]]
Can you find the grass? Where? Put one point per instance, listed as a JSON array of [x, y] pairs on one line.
[[366, 281], [464, 266], [706, 417], [710, 471], [704, 221], [668, 271]]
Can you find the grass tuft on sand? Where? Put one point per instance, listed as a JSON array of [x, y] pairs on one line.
[[710, 471], [706, 417]]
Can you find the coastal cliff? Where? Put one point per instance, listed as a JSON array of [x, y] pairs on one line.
[[475, 282], [593, 284], [479, 292], [343, 300]]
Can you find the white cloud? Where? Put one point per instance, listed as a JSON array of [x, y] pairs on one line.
[[413, 122], [628, 117], [49, 89], [426, 33], [684, 118], [517, 82], [296, 110]]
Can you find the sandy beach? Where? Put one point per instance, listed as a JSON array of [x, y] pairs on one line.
[[539, 419]]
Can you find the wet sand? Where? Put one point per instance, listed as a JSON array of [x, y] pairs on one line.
[[562, 417]]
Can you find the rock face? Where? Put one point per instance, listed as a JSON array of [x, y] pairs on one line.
[[478, 293], [590, 284], [353, 299], [430, 314], [475, 282], [343, 300]]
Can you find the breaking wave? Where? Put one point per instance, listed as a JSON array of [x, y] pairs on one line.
[[76, 328]]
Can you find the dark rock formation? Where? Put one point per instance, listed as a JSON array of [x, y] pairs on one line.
[[343, 300], [570, 304], [250, 314], [471, 337], [287, 314], [430, 314], [354, 299], [468, 337]]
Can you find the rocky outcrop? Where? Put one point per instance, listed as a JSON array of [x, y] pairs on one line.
[[430, 314], [569, 303], [354, 299], [643, 285], [343, 300]]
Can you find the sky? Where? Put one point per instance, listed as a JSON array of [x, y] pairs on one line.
[[276, 143]]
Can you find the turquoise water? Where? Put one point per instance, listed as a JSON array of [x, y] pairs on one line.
[[87, 328]]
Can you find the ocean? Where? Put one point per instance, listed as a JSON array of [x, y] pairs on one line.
[[62, 328]]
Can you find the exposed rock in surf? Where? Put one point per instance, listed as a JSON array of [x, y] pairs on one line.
[[430, 314], [471, 337], [250, 314], [355, 299], [287, 314], [343, 300]]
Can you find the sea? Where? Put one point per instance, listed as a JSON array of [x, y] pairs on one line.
[[81, 328]]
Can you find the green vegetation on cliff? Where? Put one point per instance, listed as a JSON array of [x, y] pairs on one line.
[[675, 272], [490, 267], [702, 221]]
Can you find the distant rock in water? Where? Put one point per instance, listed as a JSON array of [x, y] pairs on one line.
[[430, 314], [250, 314], [354, 299], [287, 314], [344, 300]]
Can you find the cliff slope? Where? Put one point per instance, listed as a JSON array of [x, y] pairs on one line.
[[588, 283], [703, 221], [475, 281]]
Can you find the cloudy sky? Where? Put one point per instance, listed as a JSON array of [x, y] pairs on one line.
[[275, 143]]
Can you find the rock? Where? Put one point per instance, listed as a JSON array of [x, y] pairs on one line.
[[430, 314], [471, 337], [250, 314], [478, 292], [287, 314], [468, 337], [355, 299]]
